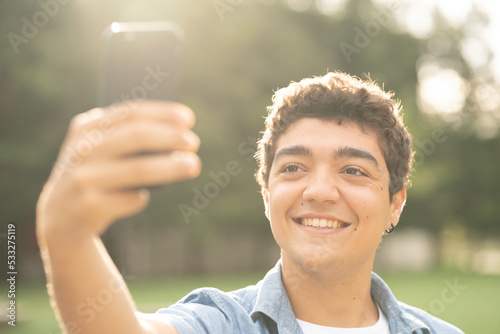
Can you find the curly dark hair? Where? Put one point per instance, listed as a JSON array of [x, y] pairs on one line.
[[343, 98]]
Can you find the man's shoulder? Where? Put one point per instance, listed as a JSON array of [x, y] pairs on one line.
[[209, 296], [435, 324], [405, 317], [210, 310]]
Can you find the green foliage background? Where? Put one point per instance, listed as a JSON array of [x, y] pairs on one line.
[[231, 66]]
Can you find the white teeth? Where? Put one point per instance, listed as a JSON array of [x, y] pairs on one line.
[[322, 223], [313, 222]]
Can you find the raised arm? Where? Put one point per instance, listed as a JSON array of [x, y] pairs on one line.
[[97, 179]]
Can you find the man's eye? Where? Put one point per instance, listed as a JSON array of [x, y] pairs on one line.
[[354, 171], [291, 168]]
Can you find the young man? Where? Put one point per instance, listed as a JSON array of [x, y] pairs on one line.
[[333, 166]]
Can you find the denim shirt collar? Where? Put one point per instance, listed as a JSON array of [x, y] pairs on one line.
[[400, 321], [272, 301]]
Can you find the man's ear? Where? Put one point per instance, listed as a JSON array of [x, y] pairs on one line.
[[398, 203], [265, 197]]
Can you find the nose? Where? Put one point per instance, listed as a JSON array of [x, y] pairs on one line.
[[321, 187]]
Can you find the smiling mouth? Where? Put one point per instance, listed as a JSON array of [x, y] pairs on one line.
[[322, 223]]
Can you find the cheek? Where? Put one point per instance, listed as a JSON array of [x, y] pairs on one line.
[[277, 215], [282, 194], [371, 206], [284, 199], [277, 202]]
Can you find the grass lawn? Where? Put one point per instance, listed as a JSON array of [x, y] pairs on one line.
[[471, 302]]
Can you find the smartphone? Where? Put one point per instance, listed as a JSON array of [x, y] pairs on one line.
[[140, 60]]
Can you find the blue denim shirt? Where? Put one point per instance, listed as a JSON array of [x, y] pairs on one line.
[[265, 309]]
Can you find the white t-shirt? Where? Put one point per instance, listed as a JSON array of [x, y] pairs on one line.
[[381, 327]]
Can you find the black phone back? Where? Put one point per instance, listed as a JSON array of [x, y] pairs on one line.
[[140, 60]]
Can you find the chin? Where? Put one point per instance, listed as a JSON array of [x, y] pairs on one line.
[[317, 259]]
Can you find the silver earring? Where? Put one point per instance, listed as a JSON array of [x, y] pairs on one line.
[[390, 230]]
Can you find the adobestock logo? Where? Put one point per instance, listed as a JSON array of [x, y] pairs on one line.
[[210, 190], [220, 180], [150, 82], [223, 6], [30, 28], [364, 36], [93, 305], [448, 295], [426, 147]]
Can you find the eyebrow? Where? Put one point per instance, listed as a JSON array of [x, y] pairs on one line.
[[351, 152], [345, 152], [293, 150]]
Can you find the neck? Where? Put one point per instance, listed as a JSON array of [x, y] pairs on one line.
[[333, 298]]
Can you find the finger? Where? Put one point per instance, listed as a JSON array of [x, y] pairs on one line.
[[99, 209], [121, 204], [141, 136], [106, 120], [166, 111], [143, 171]]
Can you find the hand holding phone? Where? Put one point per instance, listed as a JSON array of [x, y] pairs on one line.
[[98, 177], [96, 182], [140, 61]]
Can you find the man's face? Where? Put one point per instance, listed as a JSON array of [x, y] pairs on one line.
[[328, 195]]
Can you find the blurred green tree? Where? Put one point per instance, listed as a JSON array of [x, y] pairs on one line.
[[232, 62]]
